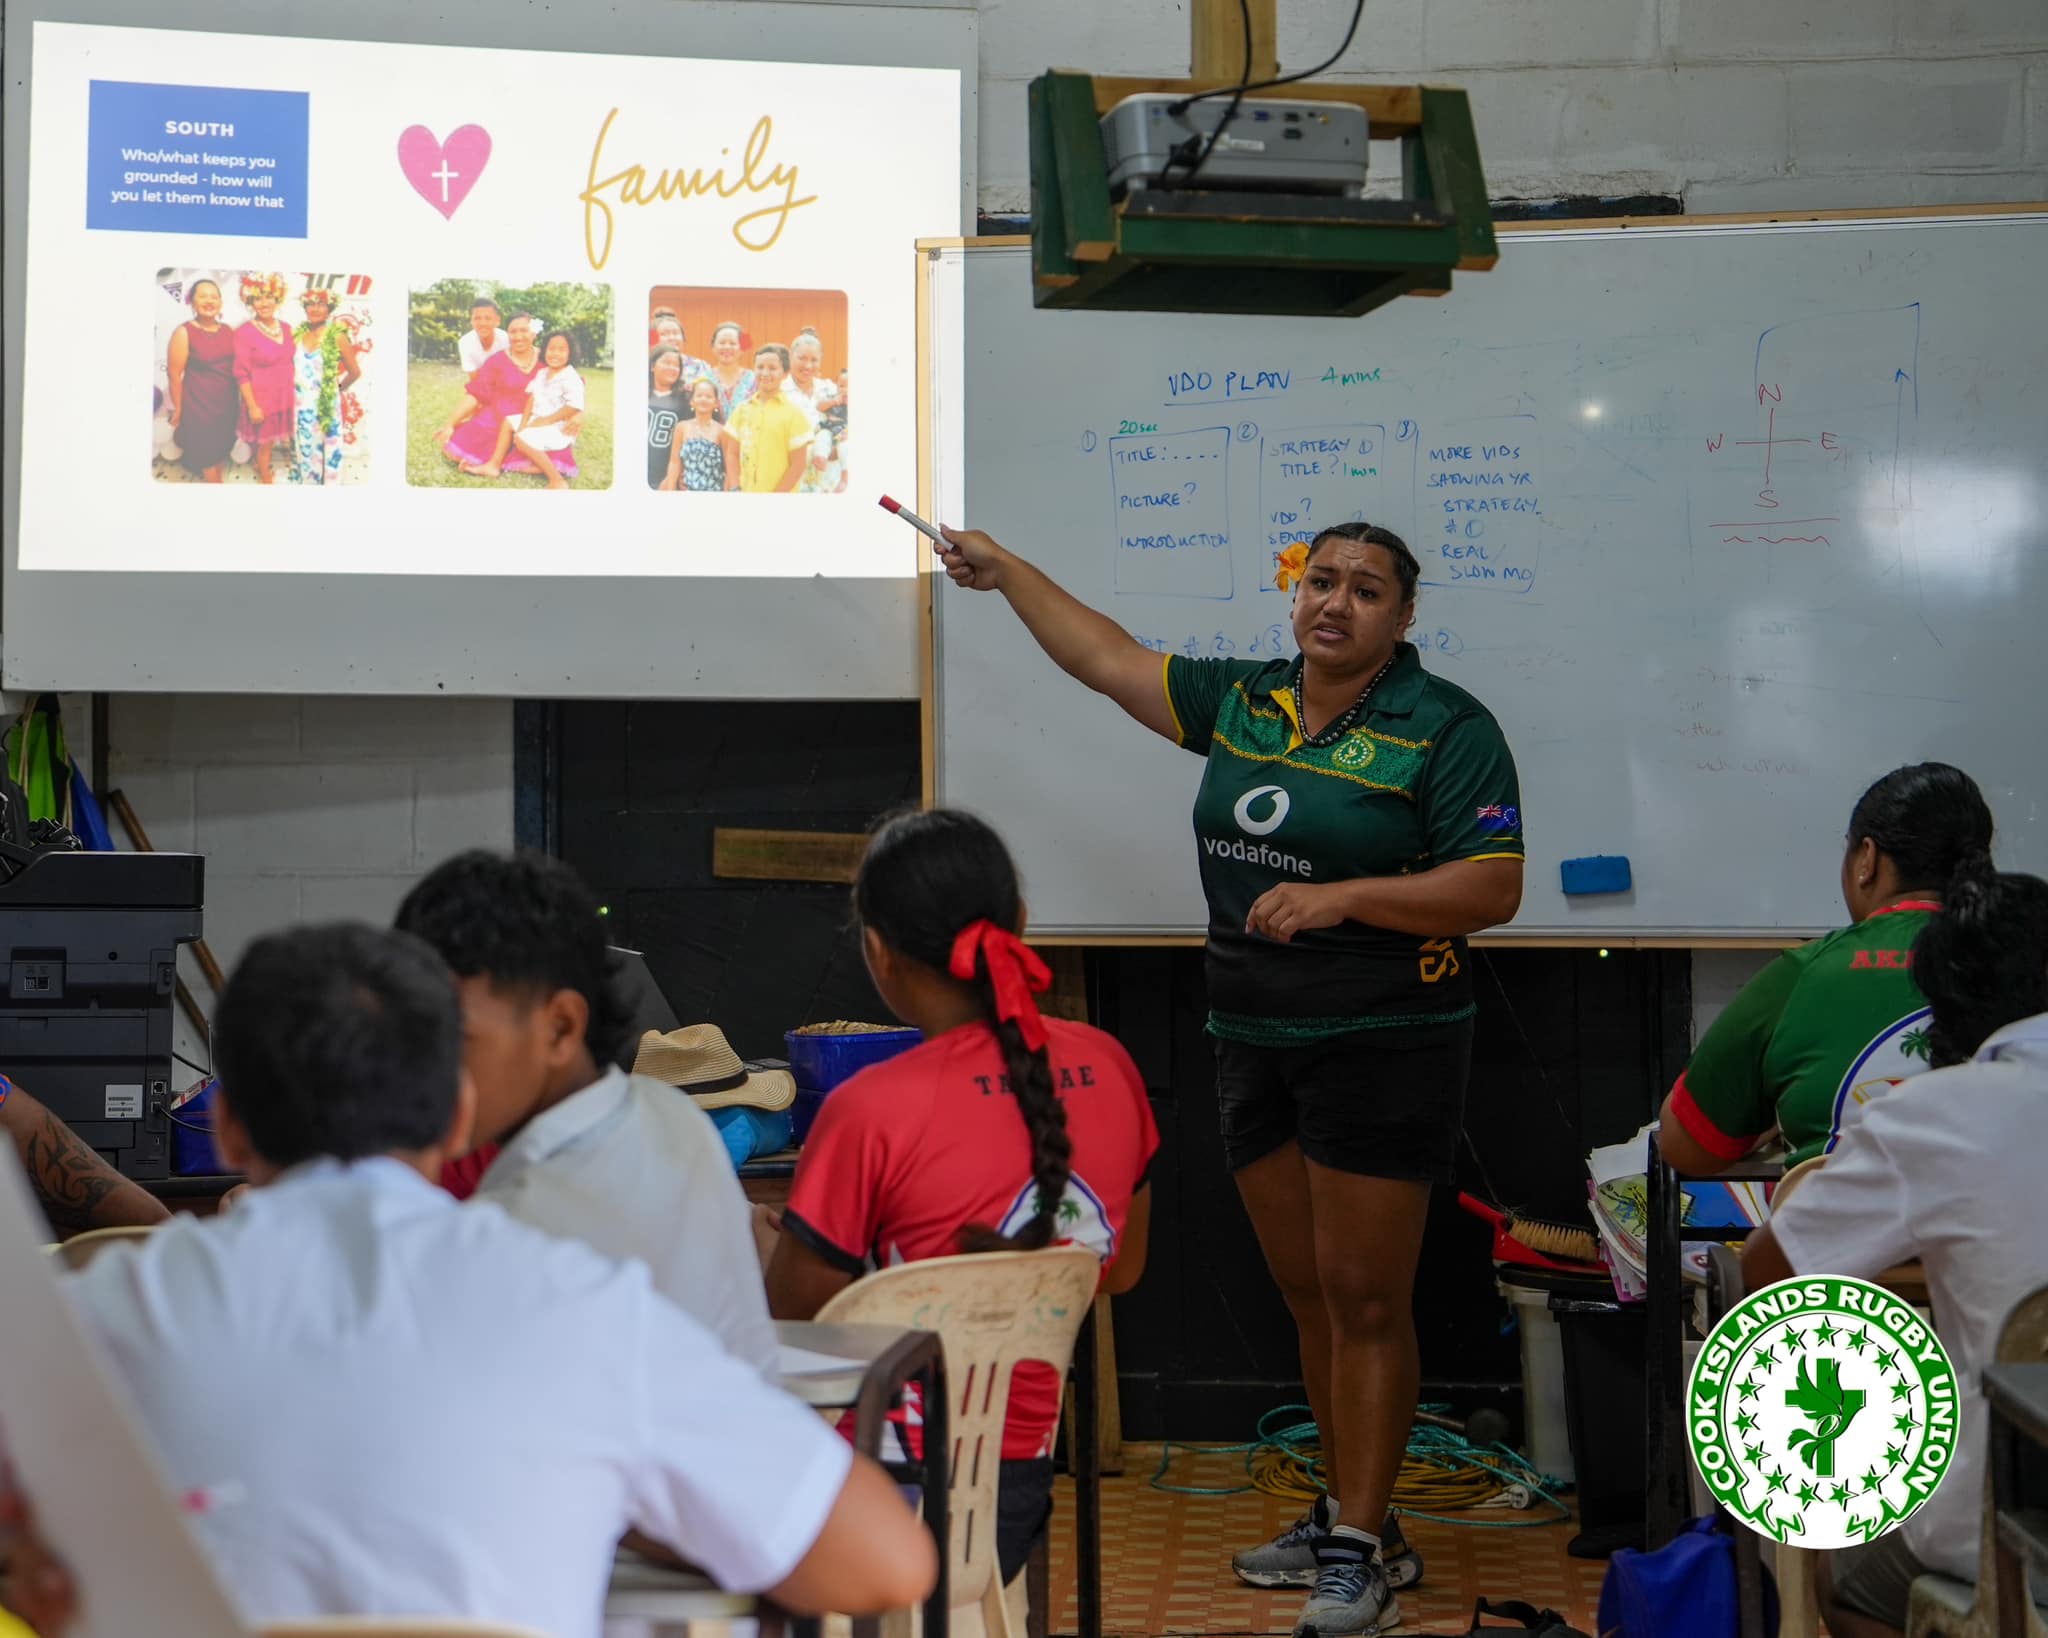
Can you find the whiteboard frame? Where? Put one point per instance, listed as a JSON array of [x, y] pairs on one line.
[[931, 706]]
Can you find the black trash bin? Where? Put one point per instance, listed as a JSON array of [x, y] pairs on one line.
[[1606, 1415]]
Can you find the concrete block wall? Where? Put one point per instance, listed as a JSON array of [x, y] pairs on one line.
[[310, 809], [1730, 105]]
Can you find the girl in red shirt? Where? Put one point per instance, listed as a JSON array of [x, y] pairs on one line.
[[1002, 1131]]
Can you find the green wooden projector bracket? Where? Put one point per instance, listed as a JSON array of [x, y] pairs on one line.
[[1197, 250]]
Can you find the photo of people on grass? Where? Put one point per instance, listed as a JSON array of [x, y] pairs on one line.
[[259, 377], [746, 391], [509, 386]]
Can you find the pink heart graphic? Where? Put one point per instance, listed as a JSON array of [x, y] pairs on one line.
[[442, 173]]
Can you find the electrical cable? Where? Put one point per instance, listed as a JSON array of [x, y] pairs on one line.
[[1244, 80], [1245, 87], [1440, 1469]]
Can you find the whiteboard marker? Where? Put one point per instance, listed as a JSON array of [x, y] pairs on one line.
[[912, 519]]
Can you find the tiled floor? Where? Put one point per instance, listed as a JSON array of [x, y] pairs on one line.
[[1166, 1559]]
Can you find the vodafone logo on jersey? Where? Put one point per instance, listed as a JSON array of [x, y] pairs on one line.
[[1276, 813]]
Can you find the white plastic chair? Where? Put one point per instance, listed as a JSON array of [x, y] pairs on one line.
[[395, 1626], [990, 1310], [1939, 1606], [78, 1251]]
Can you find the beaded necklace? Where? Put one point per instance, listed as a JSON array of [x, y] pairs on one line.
[[1339, 726]]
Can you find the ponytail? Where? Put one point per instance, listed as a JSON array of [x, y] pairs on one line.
[[1982, 962], [940, 887], [1930, 820]]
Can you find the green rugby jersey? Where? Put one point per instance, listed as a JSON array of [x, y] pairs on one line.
[[1810, 1039], [1424, 777]]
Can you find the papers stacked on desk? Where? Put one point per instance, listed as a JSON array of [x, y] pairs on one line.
[[1618, 1193]]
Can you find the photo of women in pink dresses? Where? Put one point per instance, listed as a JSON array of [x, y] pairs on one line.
[[259, 377], [510, 386]]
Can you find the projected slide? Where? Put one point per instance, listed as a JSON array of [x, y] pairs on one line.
[[341, 307]]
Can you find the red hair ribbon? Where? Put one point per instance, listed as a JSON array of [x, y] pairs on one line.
[[1014, 971]]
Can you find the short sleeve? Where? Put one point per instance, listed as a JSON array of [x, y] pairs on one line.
[[572, 390], [800, 432], [1724, 1099], [1854, 1217], [736, 1476], [835, 1200], [1195, 692], [1471, 799]]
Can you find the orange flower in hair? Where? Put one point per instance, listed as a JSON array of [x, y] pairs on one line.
[[1291, 566]]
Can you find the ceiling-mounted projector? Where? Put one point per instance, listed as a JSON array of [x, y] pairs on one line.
[[1204, 197]]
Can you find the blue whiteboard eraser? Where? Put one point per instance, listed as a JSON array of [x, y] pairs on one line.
[[1604, 873]]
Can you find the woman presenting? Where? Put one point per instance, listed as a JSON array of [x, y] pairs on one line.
[[1357, 818]]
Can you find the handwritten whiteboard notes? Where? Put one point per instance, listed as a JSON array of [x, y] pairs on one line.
[[1481, 479], [1172, 493], [1312, 477]]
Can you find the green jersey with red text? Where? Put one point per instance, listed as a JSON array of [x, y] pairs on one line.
[[1421, 778], [1814, 1036]]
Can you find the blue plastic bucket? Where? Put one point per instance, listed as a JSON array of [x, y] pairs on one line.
[[191, 1116], [821, 1062]]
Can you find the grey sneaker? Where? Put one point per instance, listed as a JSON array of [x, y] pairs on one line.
[[1289, 1559], [1351, 1597]]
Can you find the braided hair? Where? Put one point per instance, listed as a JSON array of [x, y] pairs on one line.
[[1406, 570], [925, 877], [1982, 962]]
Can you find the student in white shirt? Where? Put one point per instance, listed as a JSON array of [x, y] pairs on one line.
[[625, 1163], [486, 336], [1946, 1167], [398, 1405]]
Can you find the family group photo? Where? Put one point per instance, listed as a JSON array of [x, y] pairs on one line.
[[746, 391], [259, 377], [509, 386]]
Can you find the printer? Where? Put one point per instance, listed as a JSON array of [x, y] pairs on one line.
[[88, 957]]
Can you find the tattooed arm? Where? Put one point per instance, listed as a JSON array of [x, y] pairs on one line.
[[77, 1188]]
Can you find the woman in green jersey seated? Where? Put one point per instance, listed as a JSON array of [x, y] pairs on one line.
[[1826, 1027], [1356, 819]]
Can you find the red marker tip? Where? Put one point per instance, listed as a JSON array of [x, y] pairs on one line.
[[889, 505]]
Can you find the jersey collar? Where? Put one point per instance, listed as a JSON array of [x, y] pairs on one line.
[[1904, 904], [1399, 691]]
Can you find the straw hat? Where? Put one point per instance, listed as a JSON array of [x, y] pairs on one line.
[[697, 1059]]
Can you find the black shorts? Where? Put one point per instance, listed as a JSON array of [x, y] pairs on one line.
[[1023, 1508], [1378, 1102]]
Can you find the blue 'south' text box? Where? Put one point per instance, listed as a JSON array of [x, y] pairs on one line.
[[197, 159]]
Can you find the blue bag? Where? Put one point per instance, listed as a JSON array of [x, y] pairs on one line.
[[88, 824], [749, 1133], [1685, 1589]]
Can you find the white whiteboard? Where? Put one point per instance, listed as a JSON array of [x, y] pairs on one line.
[[1721, 521]]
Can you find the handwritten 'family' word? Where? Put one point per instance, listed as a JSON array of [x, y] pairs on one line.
[[634, 185]]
